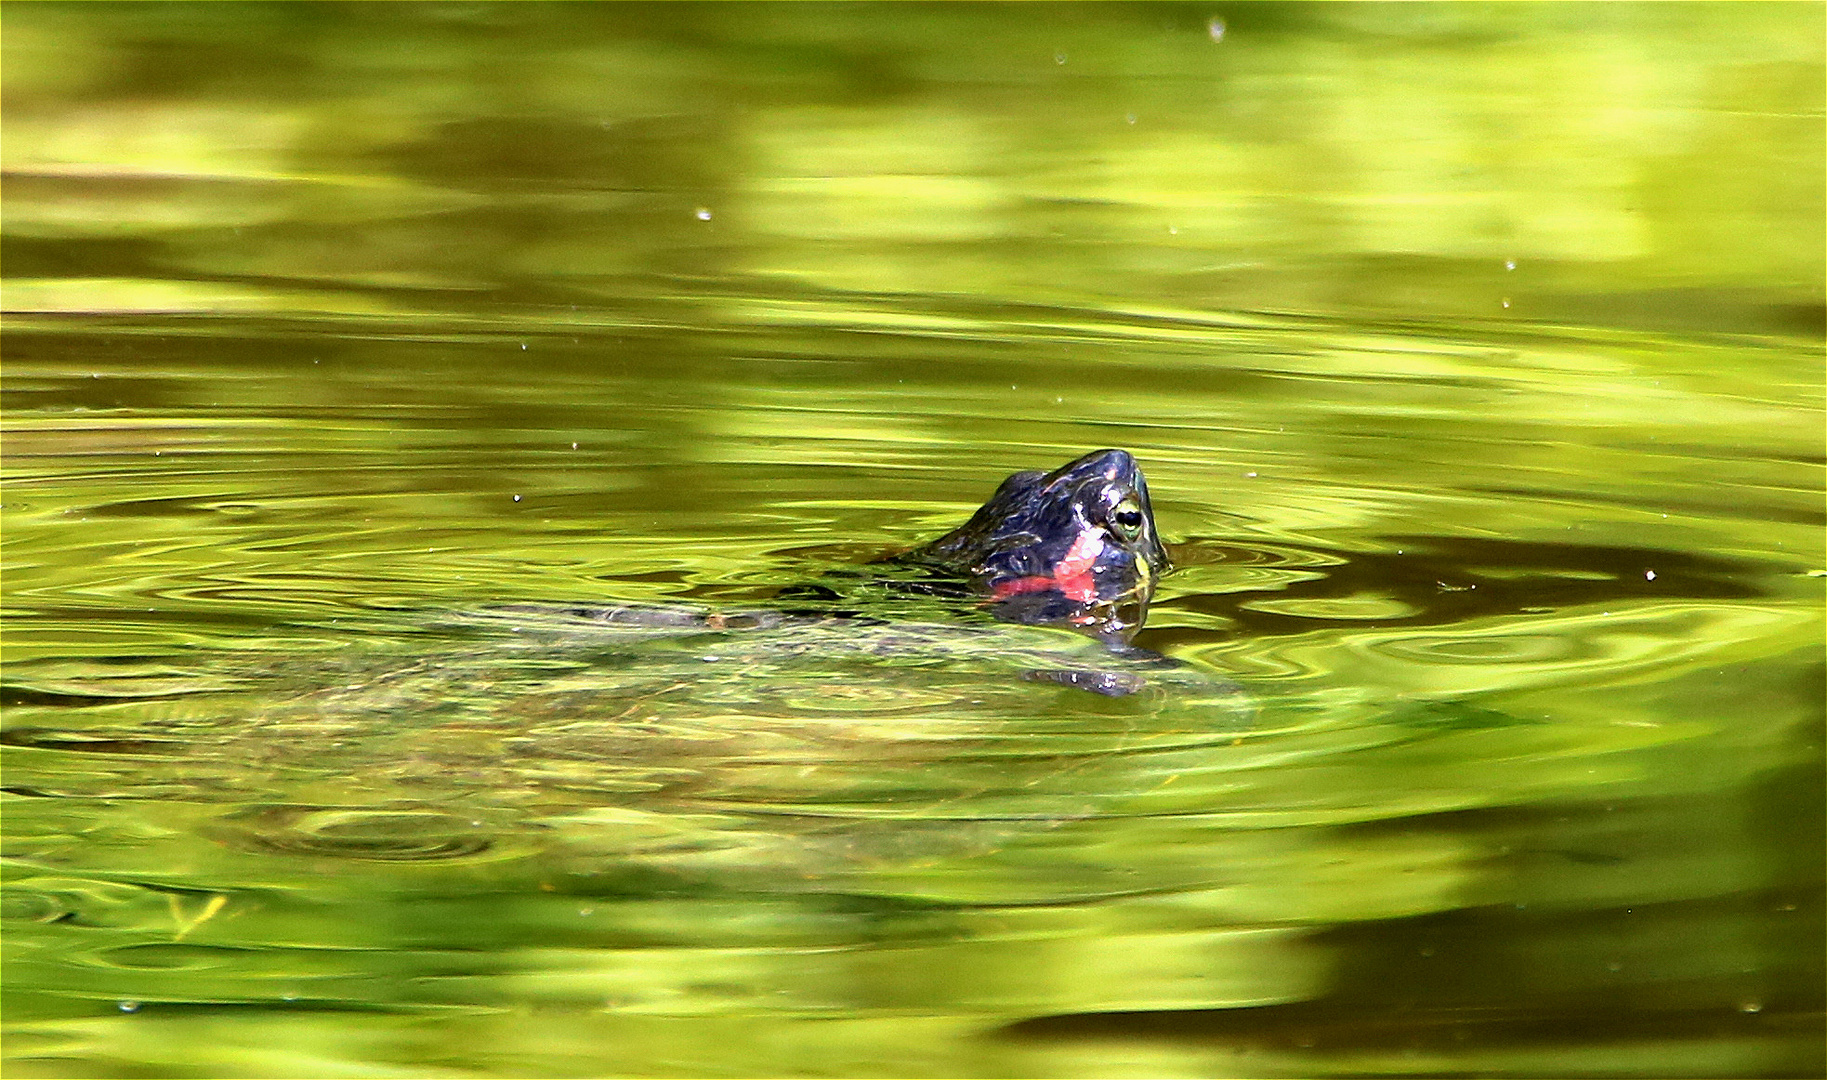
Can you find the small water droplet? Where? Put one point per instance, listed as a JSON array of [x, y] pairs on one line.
[[704, 213], [1215, 27], [516, 498], [1059, 58], [1129, 118], [1649, 575], [1509, 264], [1751, 1005], [128, 1006], [1506, 301]]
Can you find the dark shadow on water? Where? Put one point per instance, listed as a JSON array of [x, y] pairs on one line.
[[1478, 984], [1447, 580], [1317, 1029]]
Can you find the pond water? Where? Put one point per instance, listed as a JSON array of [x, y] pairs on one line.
[[1487, 447]]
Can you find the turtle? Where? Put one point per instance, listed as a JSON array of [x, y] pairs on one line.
[[891, 711], [1075, 548]]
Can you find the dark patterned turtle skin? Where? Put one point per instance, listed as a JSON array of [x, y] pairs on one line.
[[1073, 547]]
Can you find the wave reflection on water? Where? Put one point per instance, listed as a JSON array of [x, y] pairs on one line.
[[1502, 692]]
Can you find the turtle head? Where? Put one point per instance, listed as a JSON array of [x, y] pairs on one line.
[[1073, 547]]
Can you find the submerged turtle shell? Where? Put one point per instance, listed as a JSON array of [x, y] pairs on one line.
[[688, 740], [692, 742]]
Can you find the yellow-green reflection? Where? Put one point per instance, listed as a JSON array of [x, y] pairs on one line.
[[1472, 354]]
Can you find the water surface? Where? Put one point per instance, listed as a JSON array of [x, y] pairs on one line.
[[1494, 488]]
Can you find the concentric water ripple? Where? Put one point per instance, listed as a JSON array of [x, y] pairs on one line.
[[295, 701]]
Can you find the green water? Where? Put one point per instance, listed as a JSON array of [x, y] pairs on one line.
[[1473, 355]]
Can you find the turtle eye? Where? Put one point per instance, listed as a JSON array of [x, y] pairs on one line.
[[1127, 517]]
